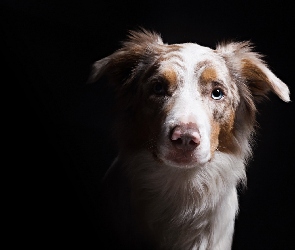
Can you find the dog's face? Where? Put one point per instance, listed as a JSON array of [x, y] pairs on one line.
[[191, 88], [183, 102]]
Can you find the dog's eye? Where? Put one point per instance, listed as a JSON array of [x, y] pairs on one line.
[[159, 88], [217, 94]]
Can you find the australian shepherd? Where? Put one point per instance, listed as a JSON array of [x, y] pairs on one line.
[[185, 122]]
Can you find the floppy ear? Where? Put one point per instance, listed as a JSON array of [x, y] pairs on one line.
[[122, 65], [248, 65]]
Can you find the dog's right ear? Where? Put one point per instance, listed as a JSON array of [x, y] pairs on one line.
[[121, 67]]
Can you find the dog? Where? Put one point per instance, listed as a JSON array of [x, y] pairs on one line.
[[185, 124]]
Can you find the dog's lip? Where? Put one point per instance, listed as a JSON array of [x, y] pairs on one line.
[[181, 157]]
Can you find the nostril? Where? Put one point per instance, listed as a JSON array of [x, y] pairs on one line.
[[192, 142], [185, 138], [176, 134], [178, 141]]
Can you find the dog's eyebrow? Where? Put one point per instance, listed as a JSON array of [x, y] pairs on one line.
[[218, 82], [210, 75], [170, 75], [201, 64]]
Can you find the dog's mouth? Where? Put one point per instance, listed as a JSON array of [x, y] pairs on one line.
[[182, 158]]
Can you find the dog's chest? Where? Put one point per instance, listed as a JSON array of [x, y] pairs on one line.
[[180, 212]]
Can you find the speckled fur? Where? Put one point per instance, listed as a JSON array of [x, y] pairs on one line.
[[153, 202]]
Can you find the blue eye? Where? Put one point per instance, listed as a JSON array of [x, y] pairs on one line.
[[217, 94]]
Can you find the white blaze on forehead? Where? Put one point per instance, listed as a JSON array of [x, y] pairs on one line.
[[188, 106], [194, 53], [188, 99]]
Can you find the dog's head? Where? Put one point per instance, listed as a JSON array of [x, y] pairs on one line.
[[183, 102]]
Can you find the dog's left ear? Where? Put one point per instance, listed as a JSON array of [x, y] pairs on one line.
[[252, 70], [122, 66]]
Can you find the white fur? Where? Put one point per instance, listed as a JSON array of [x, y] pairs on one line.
[[207, 193], [191, 206]]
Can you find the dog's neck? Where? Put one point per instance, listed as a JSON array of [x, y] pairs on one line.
[[221, 172], [162, 192]]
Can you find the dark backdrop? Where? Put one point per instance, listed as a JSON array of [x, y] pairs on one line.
[[57, 129]]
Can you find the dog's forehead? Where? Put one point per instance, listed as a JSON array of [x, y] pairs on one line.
[[190, 60], [189, 55]]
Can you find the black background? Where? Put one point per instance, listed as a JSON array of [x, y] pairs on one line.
[[56, 129]]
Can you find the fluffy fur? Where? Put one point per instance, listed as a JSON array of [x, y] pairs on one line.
[[181, 152]]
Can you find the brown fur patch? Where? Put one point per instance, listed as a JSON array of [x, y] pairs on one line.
[[214, 139], [226, 137], [222, 137], [173, 47], [257, 81], [171, 76], [208, 75]]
